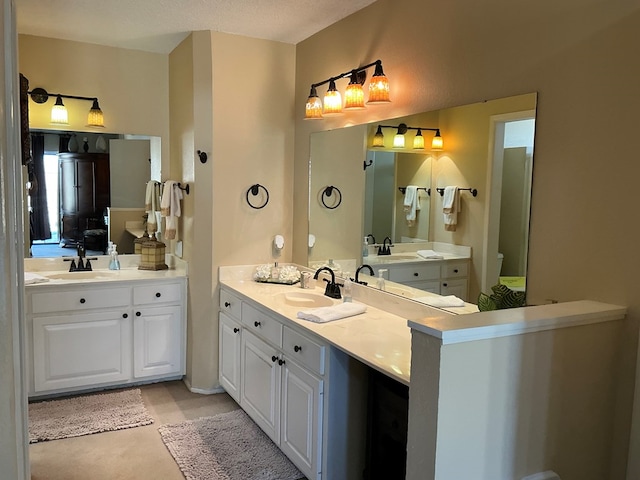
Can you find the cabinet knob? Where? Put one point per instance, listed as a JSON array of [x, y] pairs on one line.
[[236, 329], [297, 348], [138, 314], [415, 274], [158, 294], [455, 270], [256, 324], [445, 284], [227, 304], [82, 300], [125, 315], [274, 358], [280, 362]]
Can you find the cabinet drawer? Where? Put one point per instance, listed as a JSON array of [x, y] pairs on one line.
[[432, 286], [414, 272], [455, 269], [457, 287], [262, 325], [304, 350], [230, 304], [79, 299], [160, 293]]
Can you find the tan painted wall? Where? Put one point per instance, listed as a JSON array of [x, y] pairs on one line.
[[575, 55], [244, 122], [540, 401], [132, 86]]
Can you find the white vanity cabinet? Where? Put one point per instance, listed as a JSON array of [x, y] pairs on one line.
[[230, 343], [275, 372], [90, 335], [443, 277]]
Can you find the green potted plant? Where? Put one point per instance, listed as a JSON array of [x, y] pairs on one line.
[[502, 297]]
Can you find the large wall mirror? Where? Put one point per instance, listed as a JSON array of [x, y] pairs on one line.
[[488, 146], [116, 168]]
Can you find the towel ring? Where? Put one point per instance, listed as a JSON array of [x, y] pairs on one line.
[[328, 191], [254, 190]]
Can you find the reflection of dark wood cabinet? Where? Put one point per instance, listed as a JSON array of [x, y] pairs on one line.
[[84, 193]]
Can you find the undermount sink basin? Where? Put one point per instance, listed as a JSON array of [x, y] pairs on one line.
[[305, 299], [93, 275]]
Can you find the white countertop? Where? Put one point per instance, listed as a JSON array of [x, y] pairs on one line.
[[377, 338], [55, 271]]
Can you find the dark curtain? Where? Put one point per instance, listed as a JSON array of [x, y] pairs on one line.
[[39, 218]]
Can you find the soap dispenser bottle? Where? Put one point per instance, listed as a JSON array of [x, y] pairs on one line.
[[365, 247], [347, 288], [114, 262], [380, 281]]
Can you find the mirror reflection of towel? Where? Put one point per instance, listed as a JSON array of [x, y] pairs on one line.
[[152, 205], [451, 207], [170, 207], [411, 204]]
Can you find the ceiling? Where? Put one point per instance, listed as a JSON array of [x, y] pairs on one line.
[[160, 25]]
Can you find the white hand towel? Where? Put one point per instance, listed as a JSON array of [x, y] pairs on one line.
[[411, 204], [429, 254], [451, 207], [442, 302], [170, 207], [30, 278], [334, 312], [151, 203]]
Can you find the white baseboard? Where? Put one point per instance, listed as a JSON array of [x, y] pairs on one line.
[[203, 391]]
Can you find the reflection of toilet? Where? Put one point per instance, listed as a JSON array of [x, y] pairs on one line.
[[500, 258]]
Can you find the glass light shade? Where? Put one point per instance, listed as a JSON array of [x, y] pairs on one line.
[[96, 118], [378, 138], [437, 143], [379, 89], [59, 114], [398, 141], [354, 97], [313, 108], [332, 100], [418, 141]]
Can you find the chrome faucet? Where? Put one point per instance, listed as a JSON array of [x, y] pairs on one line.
[[385, 249], [358, 273], [332, 289]]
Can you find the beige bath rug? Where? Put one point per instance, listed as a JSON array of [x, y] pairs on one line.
[[86, 414], [227, 446]]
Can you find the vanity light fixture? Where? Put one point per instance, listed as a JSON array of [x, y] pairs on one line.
[[59, 114], [399, 137], [354, 94]]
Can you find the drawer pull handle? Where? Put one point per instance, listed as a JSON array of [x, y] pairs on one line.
[[297, 349], [274, 359], [280, 362], [227, 304], [256, 324], [125, 315], [455, 270], [158, 294], [82, 300], [138, 314], [236, 329], [415, 274]]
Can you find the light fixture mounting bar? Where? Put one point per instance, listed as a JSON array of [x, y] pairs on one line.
[[404, 127], [347, 74], [40, 95]]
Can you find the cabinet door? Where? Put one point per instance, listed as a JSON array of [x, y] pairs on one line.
[[301, 435], [229, 356], [260, 384], [77, 350], [454, 287], [157, 337]]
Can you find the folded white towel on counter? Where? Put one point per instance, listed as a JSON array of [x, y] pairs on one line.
[[441, 302], [30, 278], [411, 204], [429, 254], [334, 312]]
